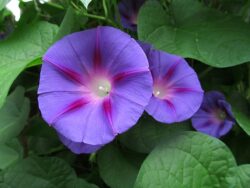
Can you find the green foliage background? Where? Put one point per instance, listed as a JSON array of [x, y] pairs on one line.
[[214, 36]]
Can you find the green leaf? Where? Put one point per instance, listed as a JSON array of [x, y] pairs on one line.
[[80, 183], [3, 3], [25, 45], [10, 152], [86, 3], [188, 159], [7, 156], [144, 136], [39, 128], [13, 115], [236, 139], [16, 146], [71, 22], [37, 172], [67, 23], [116, 168], [35, 62], [242, 120], [41, 138], [243, 172], [240, 110], [195, 32]]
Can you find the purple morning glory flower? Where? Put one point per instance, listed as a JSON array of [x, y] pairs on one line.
[[215, 116], [94, 85], [177, 93], [129, 10]]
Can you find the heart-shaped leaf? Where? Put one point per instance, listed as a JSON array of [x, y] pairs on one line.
[[192, 30], [188, 159]]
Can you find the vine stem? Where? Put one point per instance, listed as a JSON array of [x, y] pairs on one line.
[[94, 16]]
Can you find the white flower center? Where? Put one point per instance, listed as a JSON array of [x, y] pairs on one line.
[[159, 92], [101, 87]]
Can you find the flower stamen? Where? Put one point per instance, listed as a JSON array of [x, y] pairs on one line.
[[159, 92], [101, 87]]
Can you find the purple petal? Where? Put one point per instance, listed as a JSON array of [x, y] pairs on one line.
[[227, 108], [112, 43], [211, 99], [212, 128], [69, 58], [76, 120], [161, 110], [125, 112], [79, 147], [131, 94], [64, 79], [206, 126], [64, 53], [123, 55], [225, 127], [169, 68], [146, 47], [88, 124], [55, 104], [129, 10], [177, 90], [135, 87]]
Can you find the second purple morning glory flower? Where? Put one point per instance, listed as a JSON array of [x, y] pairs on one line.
[[177, 93], [94, 85]]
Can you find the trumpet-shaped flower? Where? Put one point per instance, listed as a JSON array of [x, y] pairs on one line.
[[215, 116], [129, 10], [94, 85], [177, 93]]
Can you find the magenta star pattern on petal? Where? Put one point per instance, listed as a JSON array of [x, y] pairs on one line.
[[215, 116], [94, 85], [177, 93]]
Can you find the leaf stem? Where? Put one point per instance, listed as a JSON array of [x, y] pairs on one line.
[[105, 8], [55, 5], [33, 88], [36, 4]]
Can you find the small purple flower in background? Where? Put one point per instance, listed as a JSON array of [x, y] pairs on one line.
[[7, 27], [2, 35], [215, 116], [129, 10], [177, 93], [94, 85]]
